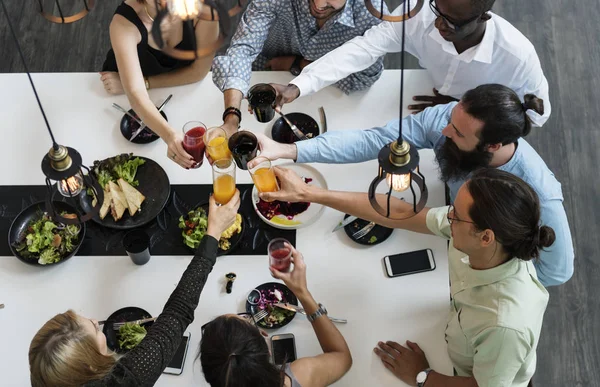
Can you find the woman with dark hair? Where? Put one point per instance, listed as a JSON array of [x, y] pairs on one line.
[[70, 350], [135, 63], [234, 352]]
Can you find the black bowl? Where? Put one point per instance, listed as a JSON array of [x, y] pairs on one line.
[[289, 297], [130, 313], [129, 126], [34, 212], [281, 131], [379, 233], [234, 240]]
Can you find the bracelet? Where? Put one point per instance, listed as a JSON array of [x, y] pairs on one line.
[[146, 83], [232, 110]]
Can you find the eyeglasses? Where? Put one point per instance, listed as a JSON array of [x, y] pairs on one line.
[[245, 316], [453, 218], [456, 26]]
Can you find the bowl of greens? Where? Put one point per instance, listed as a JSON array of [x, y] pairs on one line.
[[193, 227], [36, 239], [270, 294], [128, 336]]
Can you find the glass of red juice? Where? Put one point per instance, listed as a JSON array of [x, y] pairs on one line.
[[193, 142], [280, 254]]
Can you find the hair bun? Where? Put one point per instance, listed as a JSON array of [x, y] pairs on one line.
[[534, 103], [546, 237]]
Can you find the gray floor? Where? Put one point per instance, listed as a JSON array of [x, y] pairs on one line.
[[565, 34]]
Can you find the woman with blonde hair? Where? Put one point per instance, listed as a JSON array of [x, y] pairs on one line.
[[70, 350], [136, 63]]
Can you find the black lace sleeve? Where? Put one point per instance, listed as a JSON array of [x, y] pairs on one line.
[[143, 365]]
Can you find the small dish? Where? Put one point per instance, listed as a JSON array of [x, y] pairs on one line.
[[281, 131], [374, 237], [128, 127], [130, 313], [287, 296]]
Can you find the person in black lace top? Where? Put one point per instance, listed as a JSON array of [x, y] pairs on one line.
[[70, 350], [135, 63]]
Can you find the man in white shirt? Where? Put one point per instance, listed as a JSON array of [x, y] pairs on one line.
[[460, 43]]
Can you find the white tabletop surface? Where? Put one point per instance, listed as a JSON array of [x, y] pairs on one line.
[[345, 277]]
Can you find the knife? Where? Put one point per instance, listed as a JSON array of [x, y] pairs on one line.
[[323, 120], [119, 108], [300, 310], [344, 223], [143, 126], [294, 128]]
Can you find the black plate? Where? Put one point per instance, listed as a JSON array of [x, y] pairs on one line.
[[34, 212], [289, 297], [381, 233], [282, 133], [234, 240], [130, 313], [154, 185], [129, 126]]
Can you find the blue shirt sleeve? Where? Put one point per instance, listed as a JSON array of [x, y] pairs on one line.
[[555, 265], [422, 130]]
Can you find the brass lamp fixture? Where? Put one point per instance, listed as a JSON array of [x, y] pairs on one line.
[[399, 161], [62, 19], [63, 165], [190, 11], [378, 13]]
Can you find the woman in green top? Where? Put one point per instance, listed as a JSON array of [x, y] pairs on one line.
[[497, 303]]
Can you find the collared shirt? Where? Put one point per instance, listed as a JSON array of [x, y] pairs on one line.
[[504, 56], [424, 131], [495, 315], [273, 28]]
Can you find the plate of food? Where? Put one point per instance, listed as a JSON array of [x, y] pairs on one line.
[[291, 216], [193, 227], [129, 126], [136, 189], [377, 234], [272, 293], [128, 336], [36, 239], [281, 131]]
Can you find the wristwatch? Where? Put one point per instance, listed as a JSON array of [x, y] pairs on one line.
[[295, 69], [422, 377], [320, 312]]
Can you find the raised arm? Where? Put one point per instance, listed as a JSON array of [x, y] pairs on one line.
[[146, 362], [336, 360]]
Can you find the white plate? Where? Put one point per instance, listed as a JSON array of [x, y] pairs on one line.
[[309, 216]]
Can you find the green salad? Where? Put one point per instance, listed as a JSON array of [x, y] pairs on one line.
[[48, 241], [123, 166], [194, 227], [130, 335]]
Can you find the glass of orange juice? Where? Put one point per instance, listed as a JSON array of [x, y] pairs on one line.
[[263, 175], [215, 140], [223, 180]]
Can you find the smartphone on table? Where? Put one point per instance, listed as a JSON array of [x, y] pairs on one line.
[[175, 367], [283, 348], [409, 263]]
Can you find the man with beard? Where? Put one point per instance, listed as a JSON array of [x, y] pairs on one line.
[[287, 35], [460, 43], [482, 130]]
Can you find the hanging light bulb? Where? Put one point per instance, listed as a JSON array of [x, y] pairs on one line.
[[398, 182], [71, 186], [185, 9]]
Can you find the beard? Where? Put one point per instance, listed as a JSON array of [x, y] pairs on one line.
[[330, 11], [456, 164]]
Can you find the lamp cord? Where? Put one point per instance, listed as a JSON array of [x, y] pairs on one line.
[[54, 144], [407, 17]]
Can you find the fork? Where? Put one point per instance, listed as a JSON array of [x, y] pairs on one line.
[[118, 325], [363, 231], [260, 315]]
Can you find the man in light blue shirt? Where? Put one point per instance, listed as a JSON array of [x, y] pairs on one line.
[[484, 129]]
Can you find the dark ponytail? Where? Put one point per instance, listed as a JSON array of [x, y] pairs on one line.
[[503, 114], [509, 207]]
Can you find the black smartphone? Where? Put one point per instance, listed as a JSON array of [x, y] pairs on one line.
[[283, 348], [175, 367], [409, 263]]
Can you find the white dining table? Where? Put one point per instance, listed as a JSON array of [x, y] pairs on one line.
[[346, 277]]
